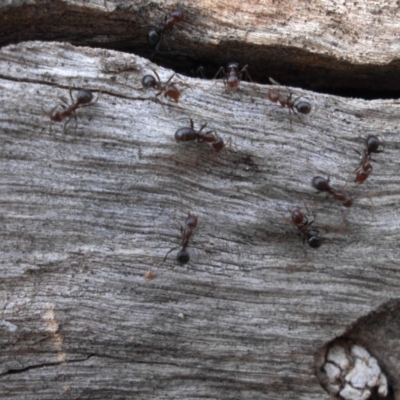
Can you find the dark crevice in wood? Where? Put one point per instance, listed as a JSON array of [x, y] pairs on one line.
[[125, 29], [100, 92], [43, 365]]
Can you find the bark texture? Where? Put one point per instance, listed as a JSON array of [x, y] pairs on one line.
[[330, 46], [85, 217]]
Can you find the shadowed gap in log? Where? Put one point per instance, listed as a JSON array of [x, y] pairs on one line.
[[125, 26]]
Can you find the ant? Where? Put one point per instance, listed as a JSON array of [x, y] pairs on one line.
[[155, 36], [188, 134], [300, 221], [169, 89], [183, 256], [233, 77], [57, 114], [322, 185], [365, 168], [285, 101]]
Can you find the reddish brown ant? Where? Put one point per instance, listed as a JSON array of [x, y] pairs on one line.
[[188, 134], [286, 101], [301, 222], [365, 168], [183, 256], [58, 113], [155, 36], [233, 77], [170, 90], [322, 185]]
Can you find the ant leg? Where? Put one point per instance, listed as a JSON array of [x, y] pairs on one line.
[[158, 76], [360, 154], [76, 123], [299, 117], [65, 126], [157, 100], [274, 82], [201, 128], [169, 80], [159, 80], [244, 70], [98, 96], [219, 71], [68, 121], [344, 186], [200, 72], [70, 95], [174, 248], [290, 118], [48, 113], [157, 48]]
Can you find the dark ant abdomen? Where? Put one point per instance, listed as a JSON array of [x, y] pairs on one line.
[[185, 135]]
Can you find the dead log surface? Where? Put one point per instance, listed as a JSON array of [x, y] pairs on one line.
[[84, 218], [328, 46]]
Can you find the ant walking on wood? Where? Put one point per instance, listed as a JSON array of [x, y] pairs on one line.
[[322, 185], [59, 112], [365, 168], [301, 222], [155, 36], [183, 256], [169, 89], [233, 77], [286, 101], [189, 134]]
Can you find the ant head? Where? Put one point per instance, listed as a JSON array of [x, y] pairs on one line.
[[84, 97], [183, 257], [200, 71], [321, 183], [232, 66], [303, 107], [313, 240], [153, 37], [148, 81], [372, 144]]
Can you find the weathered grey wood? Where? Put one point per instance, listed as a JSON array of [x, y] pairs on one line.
[[328, 46], [84, 218], [359, 32]]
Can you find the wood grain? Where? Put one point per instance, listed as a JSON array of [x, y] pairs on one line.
[[84, 218], [338, 47]]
